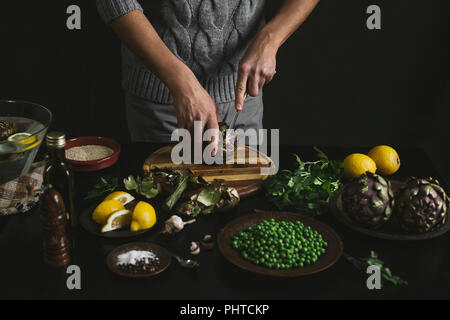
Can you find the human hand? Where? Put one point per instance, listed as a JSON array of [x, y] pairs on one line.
[[256, 68], [193, 103]]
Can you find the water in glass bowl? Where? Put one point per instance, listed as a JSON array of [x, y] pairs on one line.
[[16, 156]]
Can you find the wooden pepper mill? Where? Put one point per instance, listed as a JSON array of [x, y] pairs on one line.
[[54, 222]]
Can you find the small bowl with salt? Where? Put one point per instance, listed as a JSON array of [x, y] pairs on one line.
[[92, 153]]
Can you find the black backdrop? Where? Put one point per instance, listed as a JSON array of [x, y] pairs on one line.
[[338, 83]]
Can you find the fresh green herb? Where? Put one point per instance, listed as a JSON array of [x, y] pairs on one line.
[[102, 188], [308, 188], [144, 186], [386, 273]]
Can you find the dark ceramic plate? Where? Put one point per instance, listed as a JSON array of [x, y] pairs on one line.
[[90, 226], [164, 258], [391, 230], [331, 255]]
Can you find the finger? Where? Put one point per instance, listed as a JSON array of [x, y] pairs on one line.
[[241, 87], [197, 132], [213, 124], [268, 79], [262, 81], [253, 85]]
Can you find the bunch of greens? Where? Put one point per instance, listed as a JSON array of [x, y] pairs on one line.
[[102, 188], [386, 273], [186, 194], [308, 188], [144, 186]]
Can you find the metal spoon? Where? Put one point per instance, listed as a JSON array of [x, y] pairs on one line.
[[188, 263]]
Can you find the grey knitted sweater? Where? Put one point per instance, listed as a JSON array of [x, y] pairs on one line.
[[209, 36]]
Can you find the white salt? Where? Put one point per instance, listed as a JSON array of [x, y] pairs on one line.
[[133, 256]]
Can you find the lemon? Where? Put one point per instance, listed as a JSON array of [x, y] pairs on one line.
[[105, 209], [386, 159], [24, 139], [117, 220], [357, 164], [144, 216], [122, 196]]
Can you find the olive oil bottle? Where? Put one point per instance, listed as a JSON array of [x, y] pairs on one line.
[[58, 174]]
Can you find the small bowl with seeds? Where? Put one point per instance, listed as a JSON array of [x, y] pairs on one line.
[[138, 260], [92, 153]]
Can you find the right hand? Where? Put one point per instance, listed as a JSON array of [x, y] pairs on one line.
[[193, 103]]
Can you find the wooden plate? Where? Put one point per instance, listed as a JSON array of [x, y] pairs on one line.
[[246, 177], [326, 260], [164, 258], [90, 226], [392, 229]]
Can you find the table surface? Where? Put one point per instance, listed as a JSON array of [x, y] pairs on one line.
[[425, 264]]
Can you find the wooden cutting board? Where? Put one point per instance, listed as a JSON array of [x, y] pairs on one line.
[[246, 178]]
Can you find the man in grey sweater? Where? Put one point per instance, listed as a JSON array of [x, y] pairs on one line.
[[188, 60]]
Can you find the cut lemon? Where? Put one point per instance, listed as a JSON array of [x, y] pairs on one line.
[[24, 139], [144, 216], [105, 209], [121, 196], [118, 220]]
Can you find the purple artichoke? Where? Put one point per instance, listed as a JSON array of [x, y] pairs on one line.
[[422, 205], [368, 200], [6, 129]]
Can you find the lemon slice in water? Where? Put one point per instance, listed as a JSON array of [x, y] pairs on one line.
[[24, 139]]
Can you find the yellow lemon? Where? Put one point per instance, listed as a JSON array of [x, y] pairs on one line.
[[144, 216], [357, 164], [117, 220], [104, 210], [24, 139], [386, 159], [122, 196]]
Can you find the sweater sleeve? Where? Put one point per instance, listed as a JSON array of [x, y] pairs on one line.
[[112, 9]]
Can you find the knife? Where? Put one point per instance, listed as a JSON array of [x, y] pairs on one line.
[[233, 122]]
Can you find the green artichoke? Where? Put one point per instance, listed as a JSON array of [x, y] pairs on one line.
[[422, 205], [368, 200], [6, 129]]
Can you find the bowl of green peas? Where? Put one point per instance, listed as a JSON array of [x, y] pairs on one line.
[[280, 244]]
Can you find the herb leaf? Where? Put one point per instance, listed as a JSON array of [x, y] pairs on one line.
[[103, 187], [308, 188], [386, 273]]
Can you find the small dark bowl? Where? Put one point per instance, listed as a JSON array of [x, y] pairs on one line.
[[164, 257], [98, 164]]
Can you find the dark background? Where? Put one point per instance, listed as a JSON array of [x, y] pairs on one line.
[[338, 83]]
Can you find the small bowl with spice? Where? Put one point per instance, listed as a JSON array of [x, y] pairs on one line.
[[92, 153], [138, 260]]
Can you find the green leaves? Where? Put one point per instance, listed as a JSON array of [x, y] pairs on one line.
[[144, 186], [386, 273], [102, 188], [308, 188]]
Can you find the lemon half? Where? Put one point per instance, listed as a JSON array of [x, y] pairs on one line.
[[121, 196], [144, 216], [117, 220], [105, 209]]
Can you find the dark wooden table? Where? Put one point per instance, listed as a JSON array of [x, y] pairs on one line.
[[425, 264]]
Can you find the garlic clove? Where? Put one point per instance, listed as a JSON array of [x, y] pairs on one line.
[[195, 248], [207, 241]]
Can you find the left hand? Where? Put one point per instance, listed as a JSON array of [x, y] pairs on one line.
[[256, 68]]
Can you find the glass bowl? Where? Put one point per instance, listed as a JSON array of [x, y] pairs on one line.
[[23, 126]]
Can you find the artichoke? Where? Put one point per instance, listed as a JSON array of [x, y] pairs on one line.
[[6, 129], [368, 200], [422, 205]]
